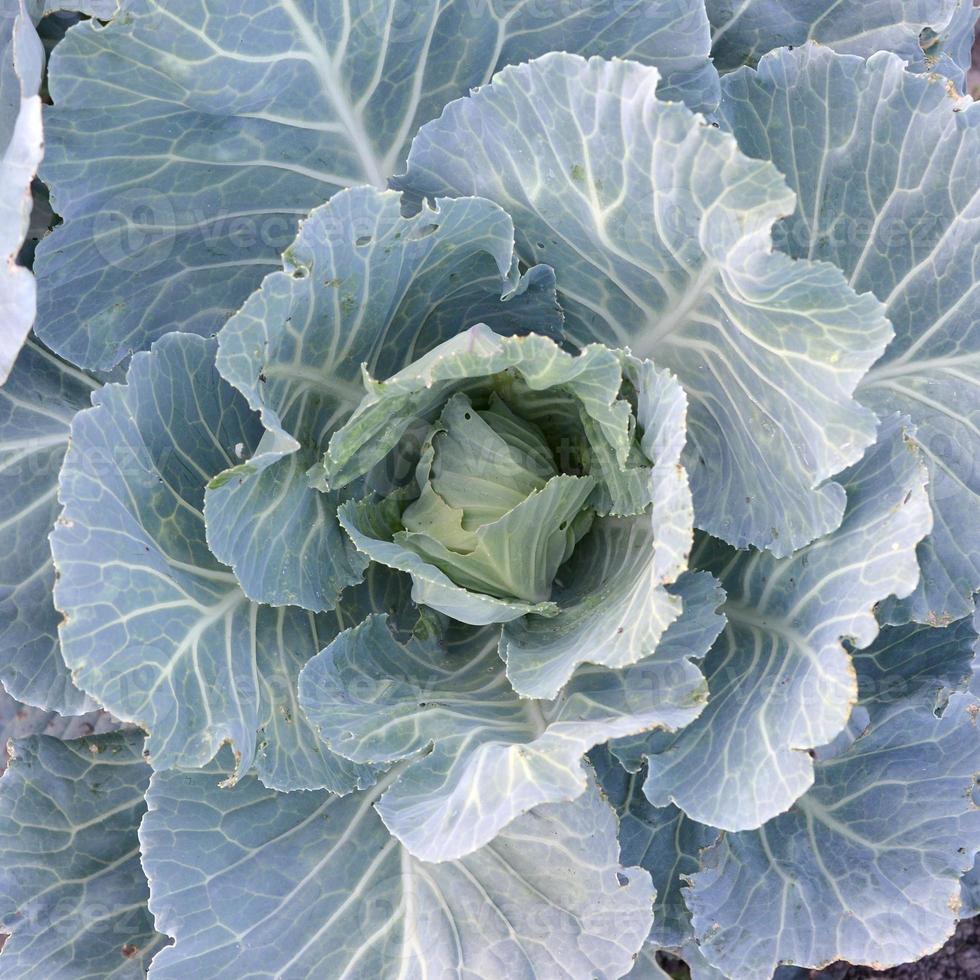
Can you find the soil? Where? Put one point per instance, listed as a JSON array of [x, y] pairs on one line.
[[959, 959]]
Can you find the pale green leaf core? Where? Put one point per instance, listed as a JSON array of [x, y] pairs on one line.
[[487, 481], [518, 457]]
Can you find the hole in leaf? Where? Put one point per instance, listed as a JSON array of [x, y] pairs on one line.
[[363, 240], [423, 231]]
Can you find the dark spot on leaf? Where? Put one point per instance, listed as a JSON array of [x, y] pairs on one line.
[[129, 950]]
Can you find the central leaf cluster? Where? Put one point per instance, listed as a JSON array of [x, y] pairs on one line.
[[493, 511], [514, 447]]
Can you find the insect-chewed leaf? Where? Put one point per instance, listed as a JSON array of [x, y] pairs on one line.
[[73, 897], [884, 165], [865, 867], [309, 884], [659, 232], [929, 35], [915, 663], [19, 720], [663, 840]]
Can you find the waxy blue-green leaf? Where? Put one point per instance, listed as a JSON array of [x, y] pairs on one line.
[[188, 138], [102, 9], [647, 967], [781, 681], [73, 897], [360, 286], [930, 35], [256, 883], [21, 149], [18, 720], [662, 840], [155, 628], [37, 403], [915, 663], [613, 607], [494, 755], [970, 893], [690, 636], [865, 867], [884, 165], [659, 233], [910, 664]]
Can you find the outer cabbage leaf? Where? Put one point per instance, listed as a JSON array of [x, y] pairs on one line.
[[102, 9], [21, 149], [662, 840], [692, 635], [36, 408], [888, 189], [613, 609], [309, 884], [659, 233], [930, 35], [155, 627], [781, 681], [481, 755], [865, 867], [647, 967], [19, 720], [907, 664], [72, 893], [915, 663], [187, 139], [970, 892], [361, 286]]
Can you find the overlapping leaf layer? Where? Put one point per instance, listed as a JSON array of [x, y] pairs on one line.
[[492, 488]]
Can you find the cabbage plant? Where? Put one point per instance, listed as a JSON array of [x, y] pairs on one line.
[[488, 488]]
